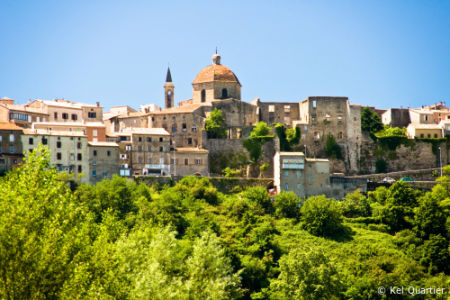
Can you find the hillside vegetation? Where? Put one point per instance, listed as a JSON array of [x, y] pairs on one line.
[[122, 240]]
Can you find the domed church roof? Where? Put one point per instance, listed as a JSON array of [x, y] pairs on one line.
[[216, 72]]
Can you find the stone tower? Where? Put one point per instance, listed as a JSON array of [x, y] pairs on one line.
[[169, 90]]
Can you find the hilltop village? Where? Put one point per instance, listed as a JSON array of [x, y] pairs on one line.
[[172, 141]]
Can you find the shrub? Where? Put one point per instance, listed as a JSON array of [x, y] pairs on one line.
[[321, 216]]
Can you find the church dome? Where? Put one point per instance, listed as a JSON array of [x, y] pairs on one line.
[[216, 72]]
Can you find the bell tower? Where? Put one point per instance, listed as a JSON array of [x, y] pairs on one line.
[[169, 90]]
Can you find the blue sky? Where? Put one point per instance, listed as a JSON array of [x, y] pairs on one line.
[[382, 53]]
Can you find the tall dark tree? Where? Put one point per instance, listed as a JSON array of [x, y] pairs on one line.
[[370, 121]]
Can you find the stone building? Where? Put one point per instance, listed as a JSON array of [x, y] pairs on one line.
[[20, 114], [396, 117], [304, 176], [68, 150], [11, 150], [103, 160], [190, 161], [277, 112], [60, 110]]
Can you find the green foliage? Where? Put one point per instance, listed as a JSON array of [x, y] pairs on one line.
[[321, 216], [234, 161], [370, 121], [332, 149], [355, 205], [215, 125], [122, 240], [264, 167], [228, 172], [388, 131], [259, 135], [380, 166], [306, 275], [288, 137], [43, 230], [286, 205], [398, 212], [261, 130]]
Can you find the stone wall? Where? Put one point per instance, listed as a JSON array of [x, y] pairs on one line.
[[414, 155], [224, 185]]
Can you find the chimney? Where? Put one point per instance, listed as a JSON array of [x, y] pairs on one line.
[[98, 104]]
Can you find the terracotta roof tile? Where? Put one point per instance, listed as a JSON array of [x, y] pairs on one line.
[[9, 126], [215, 73]]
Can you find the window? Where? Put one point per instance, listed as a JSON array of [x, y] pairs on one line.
[[271, 108], [194, 129], [44, 141], [149, 148], [161, 149], [1, 138], [435, 135], [92, 115], [287, 108], [340, 135], [94, 132], [95, 152], [105, 174], [123, 156], [161, 139], [183, 126], [198, 162], [11, 137], [127, 147], [55, 115], [189, 141], [286, 173], [149, 160], [298, 174], [139, 148], [79, 156], [94, 163], [140, 159], [78, 145], [186, 161], [58, 156], [149, 139], [425, 118], [11, 149], [58, 144], [65, 116], [286, 187], [30, 141], [429, 135], [74, 118], [314, 103], [94, 173], [224, 93], [108, 153], [0, 150], [203, 96], [174, 128], [95, 140], [139, 139], [299, 186]]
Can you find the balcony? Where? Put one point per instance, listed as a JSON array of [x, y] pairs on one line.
[[159, 167]]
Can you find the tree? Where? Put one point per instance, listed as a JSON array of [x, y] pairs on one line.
[[332, 149], [42, 231], [215, 125], [288, 137], [259, 135], [321, 216], [306, 275], [258, 197], [380, 166], [355, 205], [286, 205], [370, 121], [398, 212], [209, 272], [435, 254], [429, 217]]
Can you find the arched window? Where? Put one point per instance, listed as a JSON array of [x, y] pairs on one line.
[[169, 99], [203, 96], [224, 93], [340, 135]]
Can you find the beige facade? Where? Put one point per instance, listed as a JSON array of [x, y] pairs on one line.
[[303, 176], [189, 161], [103, 160], [277, 112], [68, 150], [424, 131], [60, 110]]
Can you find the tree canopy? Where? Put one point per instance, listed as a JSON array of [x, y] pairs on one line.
[[215, 125], [370, 121]]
